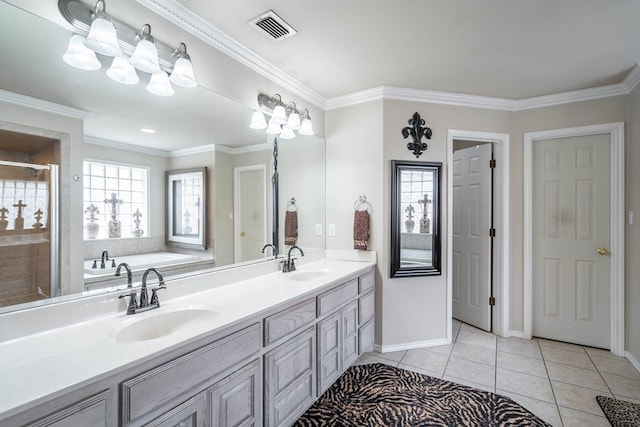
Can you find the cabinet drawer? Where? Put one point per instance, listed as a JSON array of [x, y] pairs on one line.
[[289, 320], [160, 386], [86, 413], [367, 308], [337, 296], [367, 282]]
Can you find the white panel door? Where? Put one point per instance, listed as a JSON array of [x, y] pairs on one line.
[[471, 241], [251, 212], [571, 222]]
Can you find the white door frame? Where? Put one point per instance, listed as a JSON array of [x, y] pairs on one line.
[[616, 134], [236, 204], [501, 255]]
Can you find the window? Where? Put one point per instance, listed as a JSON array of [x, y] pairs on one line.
[[28, 200], [118, 192], [417, 197]]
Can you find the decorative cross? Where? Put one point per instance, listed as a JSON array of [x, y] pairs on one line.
[[3, 213], [425, 202], [114, 202], [38, 216], [137, 215], [19, 205], [410, 210]]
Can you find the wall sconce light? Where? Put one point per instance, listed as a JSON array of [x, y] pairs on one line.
[[285, 119], [417, 131], [165, 65]]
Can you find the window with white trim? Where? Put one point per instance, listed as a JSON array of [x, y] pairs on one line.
[[117, 191]]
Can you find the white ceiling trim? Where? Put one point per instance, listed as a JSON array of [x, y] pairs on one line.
[[448, 98], [42, 105], [193, 150], [246, 149], [124, 146], [189, 21]]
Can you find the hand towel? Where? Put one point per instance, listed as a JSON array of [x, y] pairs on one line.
[[361, 230], [290, 228]]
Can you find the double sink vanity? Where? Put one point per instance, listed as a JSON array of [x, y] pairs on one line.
[[248, 346]]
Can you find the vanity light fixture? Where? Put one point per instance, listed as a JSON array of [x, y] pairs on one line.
[[145, 57], [285, 119], [102, 36], [129, 48]]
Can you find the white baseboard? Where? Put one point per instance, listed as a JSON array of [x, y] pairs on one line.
[[514, 334], [410, 346], [633, 360]]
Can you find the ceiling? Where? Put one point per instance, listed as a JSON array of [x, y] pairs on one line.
[[495, 48]]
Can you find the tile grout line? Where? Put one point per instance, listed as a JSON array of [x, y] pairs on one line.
[[600, 374], [553, 393]]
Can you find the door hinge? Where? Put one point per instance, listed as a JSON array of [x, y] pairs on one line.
[[492, 301], [492, 232], [492, 163]]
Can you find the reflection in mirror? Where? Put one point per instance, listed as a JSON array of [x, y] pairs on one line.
[[88, 116], [187, 208], [415, 218]]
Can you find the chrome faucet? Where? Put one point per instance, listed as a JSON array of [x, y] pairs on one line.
[[105, 257], [129, 274], [289, 264], [145, 304], [273, 248]]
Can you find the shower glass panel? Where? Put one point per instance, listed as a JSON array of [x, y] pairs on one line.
[[28, 232]]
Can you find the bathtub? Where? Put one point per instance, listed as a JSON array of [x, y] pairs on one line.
[[138, 262]]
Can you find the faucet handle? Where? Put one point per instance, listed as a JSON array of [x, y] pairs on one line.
[[95, 263], [154, 295], [133, 303], [113, 263]]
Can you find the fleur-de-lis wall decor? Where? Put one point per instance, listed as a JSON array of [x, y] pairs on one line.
[[417, 131]]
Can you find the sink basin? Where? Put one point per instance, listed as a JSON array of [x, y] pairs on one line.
[[305, 276], [162, 324]]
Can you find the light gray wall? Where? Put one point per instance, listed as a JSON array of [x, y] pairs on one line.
[[361, 141], [632, 232]]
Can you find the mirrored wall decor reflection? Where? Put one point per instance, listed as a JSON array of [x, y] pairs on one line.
[[186, 126], [415, 218], [187, 208]]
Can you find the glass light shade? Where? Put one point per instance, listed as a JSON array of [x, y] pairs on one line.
[[145, 57], [306, 128], [294, 121], [274, 128], [258, 121], [80, 56], [159, 84], [287, 133], [182, 74], [279, 115], [123, 72], [102, 36]]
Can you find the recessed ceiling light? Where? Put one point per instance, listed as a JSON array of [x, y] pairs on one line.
[[146, 130]]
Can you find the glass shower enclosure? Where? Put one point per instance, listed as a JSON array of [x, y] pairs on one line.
[[29, 240]]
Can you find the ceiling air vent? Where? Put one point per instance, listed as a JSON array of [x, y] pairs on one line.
[[272, 26]]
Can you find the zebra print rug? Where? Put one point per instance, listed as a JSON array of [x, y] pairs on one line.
[[381, 395]]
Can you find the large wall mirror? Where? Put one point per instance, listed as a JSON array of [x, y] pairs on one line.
[[415, 218], [194, 128]]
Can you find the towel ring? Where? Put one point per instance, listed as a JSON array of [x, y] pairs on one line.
[[291, 205], [362, 200]]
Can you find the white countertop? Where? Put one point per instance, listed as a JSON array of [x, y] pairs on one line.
[[50, 363]]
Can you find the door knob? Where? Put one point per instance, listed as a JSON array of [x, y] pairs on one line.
[[602, 251], [242, 235]]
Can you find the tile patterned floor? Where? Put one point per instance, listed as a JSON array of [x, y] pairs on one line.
[[556, 381]]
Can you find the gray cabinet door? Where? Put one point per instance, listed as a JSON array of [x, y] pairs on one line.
[[89, 412], [349, 334], [329, 355], [236, 401], [290, 381]]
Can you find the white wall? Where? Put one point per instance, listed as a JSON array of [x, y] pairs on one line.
[[632, 232]]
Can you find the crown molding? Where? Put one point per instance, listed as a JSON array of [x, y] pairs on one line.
[[42, 105], [571, 96], [246, 149], [193, 150], [124, 146], [196, 25], [632, 79]]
